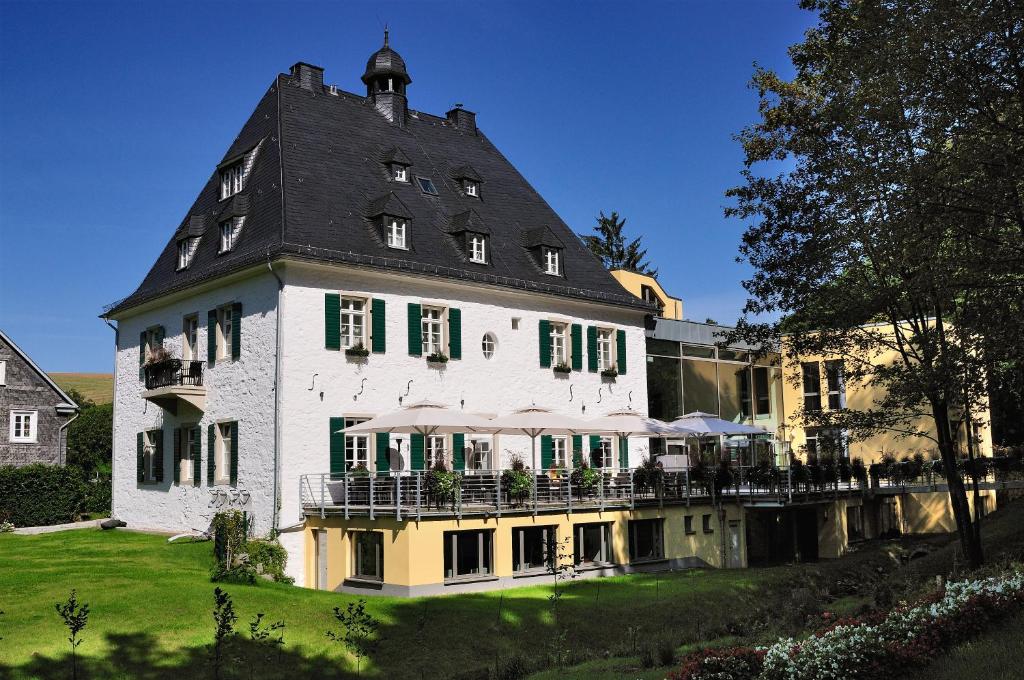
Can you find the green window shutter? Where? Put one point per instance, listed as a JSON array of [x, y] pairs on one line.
[[141, 459], [236, 331], [415, 330], [337, 444], [577, 347], [416, 451], [211, 337], [158, 465], [623, 452], [544, 337], [595, 443], [547, 452], [383, 451], [197, 457], [454, 333], [592, 349], [142, 348], [158, 336], [577, 450], [177, 455], [620, 350], [234, 454], [377, 332], [211, 455], [458, 451], [332, 321]]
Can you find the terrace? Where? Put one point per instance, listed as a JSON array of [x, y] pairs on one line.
[[173, 381]]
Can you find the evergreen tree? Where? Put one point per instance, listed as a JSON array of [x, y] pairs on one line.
[[610, 246]]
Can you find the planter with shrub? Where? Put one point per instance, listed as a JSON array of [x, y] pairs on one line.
[[562, 368], [357, 352]]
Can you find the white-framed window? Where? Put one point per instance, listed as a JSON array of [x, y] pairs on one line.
[[560, 455], [605, 452], [395, 231], [472, 188], [489, 344], [224, 330], [605, 348], [227, 236], [353, 322], [552, 265], [812, 385], [434, 450], [187, 442], [432, 328], [836, 384], [154, 339], [149, 455], [222, 462], [478, 249], [399, 172], [231, 180], [357, 446], [24, 427], [189, 337], [3, 373], [480, 454], [183, 253], [559, 351], [369, 555]]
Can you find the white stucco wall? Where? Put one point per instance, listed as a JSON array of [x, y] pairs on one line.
[[241, 390], [319, 384]]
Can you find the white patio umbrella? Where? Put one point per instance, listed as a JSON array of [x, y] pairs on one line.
[[627, 423], [534, 421], [705, 424], [425, 418]]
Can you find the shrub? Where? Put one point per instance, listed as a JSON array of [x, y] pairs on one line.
[[268, 558], [230, 531], [584, 478], [37, 495], [515, 667], [649, 475], [98, 494], [443, 486], [737, 663]]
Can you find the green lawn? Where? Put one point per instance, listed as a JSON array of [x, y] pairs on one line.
[[150, 605], [99, 387]]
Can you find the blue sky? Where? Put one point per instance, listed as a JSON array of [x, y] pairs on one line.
[[113, 115]]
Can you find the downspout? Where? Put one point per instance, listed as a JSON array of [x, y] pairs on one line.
[[62, 442], [277, 396], [113, 414]]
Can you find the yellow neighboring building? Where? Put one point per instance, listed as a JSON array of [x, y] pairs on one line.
[[648, 289], [821, 382]]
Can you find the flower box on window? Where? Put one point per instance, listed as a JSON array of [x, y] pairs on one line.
[[562, 368], [610, 373], [437, 358], [357, 351]]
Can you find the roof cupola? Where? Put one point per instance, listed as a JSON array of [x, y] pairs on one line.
[[386, 79]]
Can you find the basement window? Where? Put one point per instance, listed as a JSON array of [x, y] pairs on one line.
[[369, 555], [533, 549], [592, 544], [426, 186], [646, 540], [467, 554]]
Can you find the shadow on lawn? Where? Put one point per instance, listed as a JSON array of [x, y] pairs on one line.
[[138, 656]]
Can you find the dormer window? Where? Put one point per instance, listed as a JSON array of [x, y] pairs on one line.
[[471, 188], [478, 248], [227, 236], [399, 173], [427, 186], [186, 249], [395, 229], [231, 180], [552, 261]]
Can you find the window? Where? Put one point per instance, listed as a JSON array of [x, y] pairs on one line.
[[222, 461], [189, 339], [688, 525], [812, 386], [705, 521], [836, 386], [357, 446], [434, 451], [227, 236], [231, 180], [396, 232], [515, 323], [825, 442], [467, 554], [762, 394], [533, 549], [187, 442], [648, 295], [3, 373], [603, 453], [605, 348], [559, 352], [472, 188], [592, 544], [489, 343], [550, 260], [154, 339], [432, 328], [426, 186], [399, 173], [478, 249], [560, 452], [353, 322], [23, 427], [224, 330], [645, 540], [149, 455], [480, 454], [369, 555], [186, 247]]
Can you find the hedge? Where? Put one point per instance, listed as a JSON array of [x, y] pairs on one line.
[[37, 495]]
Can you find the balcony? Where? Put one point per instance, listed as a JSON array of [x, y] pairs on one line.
[[174, 381]]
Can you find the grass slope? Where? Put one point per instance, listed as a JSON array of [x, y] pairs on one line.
[[99, 387], [993, 656]]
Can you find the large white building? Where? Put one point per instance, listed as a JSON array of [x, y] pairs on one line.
[[337, 225]]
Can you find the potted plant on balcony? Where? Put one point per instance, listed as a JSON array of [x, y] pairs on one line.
[[357, 351], [584, 479], [562, 368], [437, 359], [611, 373], [650, 476], [443, 486], [516, 481], [157, 355]]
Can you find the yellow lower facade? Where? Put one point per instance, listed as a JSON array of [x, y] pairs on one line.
[[412, 559]]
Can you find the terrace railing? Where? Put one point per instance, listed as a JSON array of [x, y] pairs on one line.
[[173, 372]]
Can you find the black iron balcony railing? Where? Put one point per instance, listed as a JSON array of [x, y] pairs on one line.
[[174, 372]]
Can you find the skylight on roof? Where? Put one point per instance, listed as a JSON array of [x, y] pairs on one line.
[[427, 186]]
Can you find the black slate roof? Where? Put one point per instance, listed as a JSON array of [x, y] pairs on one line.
[[318, 179]]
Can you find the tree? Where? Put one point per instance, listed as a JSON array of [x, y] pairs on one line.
[[224, 618], [90, 437], [610, 246], [75, 616], [897, 154], [358, 631]]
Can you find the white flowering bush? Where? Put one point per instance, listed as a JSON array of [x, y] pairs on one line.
[[904, 637]]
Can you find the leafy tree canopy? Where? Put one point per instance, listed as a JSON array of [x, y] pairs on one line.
[[610, 246]]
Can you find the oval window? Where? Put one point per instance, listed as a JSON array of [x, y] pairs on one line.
[[489, 344]]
